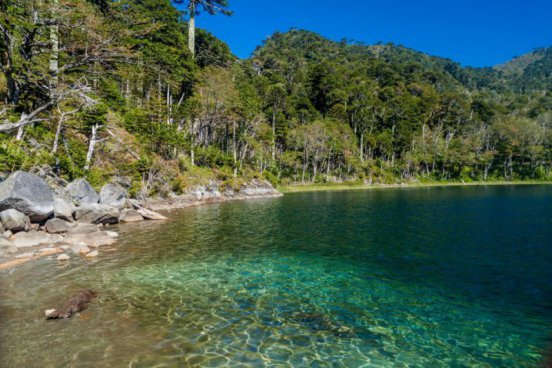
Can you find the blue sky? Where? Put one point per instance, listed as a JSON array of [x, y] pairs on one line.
[[472, 32]]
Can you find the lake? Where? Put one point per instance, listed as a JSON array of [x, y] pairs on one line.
[[407, 277]]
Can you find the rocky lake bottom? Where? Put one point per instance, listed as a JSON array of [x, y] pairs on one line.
[[397, 278]]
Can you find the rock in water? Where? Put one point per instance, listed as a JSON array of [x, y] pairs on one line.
[[130, 215], [76, 303], [97, 214], [32, 239], [28, 194], [92, 254], [113, 195], [63, 258], [57, 226], [14, 220], [63, 210], [82, 192]]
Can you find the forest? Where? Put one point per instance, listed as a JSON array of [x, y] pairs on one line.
[[100, 88]]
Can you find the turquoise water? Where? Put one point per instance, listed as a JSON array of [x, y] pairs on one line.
[[426, 277]]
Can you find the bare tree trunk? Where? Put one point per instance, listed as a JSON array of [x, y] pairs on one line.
[[191, 28], [234, 149], [54, 44], [192, 153], [58, 133], [91, 146], [361, 147], [273, 135]]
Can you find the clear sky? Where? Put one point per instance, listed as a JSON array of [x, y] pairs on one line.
[[472, 32]]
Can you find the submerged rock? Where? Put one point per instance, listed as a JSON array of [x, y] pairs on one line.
[[14, 221], [94, 239], [76, 303], [321, 322], [5, 243], [113, 195], [33, 238], [94, 213], [81, 192], [80, 248], [28, 194]]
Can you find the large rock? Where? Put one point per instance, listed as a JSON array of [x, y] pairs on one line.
[[130, 215], [28, 194], [94, 213], [57, 226], [14, 220], [84, 229], [150, 215], [93, 240], [113, 195], [31, 239], [63, 209], [81, 192]]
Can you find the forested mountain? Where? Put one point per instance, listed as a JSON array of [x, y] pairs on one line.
[[100, 88], [530, 72]]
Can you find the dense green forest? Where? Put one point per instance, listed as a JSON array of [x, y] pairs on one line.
[[104, 88]]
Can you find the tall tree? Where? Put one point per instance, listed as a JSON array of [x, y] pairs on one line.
[[195, 7]]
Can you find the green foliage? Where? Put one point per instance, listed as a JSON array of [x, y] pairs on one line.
[[133, 101]]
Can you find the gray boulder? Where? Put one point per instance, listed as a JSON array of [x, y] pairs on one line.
[[144, 212], [81, 192], [28, 194], [14, 220], [150, 215], [57, 226], [84, 229], [94, 213], [130, 215], [113, 195], [31, 239], [63, 210], [2, 230]]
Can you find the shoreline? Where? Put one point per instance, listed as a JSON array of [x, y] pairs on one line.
[[304, 188], [187, 201], [205, 198], [51, 251]]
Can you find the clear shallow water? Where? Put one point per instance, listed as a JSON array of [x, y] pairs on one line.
[[429, 277]]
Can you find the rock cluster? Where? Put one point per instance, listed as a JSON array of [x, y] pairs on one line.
[[33, 214]]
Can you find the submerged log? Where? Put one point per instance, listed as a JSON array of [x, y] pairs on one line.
[[76, 303]]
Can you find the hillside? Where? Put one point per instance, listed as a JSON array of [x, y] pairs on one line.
[[122, 96], [530, 72]]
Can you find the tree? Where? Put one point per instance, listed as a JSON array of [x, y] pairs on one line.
[[194, 8]]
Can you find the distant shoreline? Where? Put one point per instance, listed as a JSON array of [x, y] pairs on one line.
[[299, 188]]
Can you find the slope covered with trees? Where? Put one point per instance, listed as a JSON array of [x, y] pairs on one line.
[[100, 89]]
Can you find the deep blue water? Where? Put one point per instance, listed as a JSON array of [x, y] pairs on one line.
[[413, 277]]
